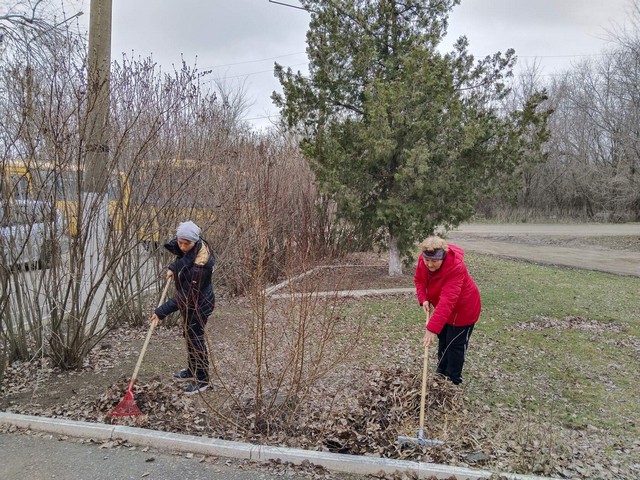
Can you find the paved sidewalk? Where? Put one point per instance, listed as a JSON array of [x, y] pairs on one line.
[[608, 261], [551, 229], [40, 457], [349, 293]]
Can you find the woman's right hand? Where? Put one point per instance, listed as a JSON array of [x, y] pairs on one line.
[[429, 337], [169, 275]]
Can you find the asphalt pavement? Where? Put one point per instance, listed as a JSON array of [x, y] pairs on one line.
[[47, 456]]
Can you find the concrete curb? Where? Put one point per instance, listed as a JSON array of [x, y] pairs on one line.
[[258, 453], [347, 293], [269, 291]]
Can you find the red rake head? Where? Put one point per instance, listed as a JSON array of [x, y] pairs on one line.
[[127, 407]]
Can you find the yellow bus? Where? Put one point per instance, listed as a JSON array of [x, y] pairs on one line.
[[27, 179], [150, 200], [167, 192]]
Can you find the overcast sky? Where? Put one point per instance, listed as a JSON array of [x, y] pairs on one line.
[[240, 39]]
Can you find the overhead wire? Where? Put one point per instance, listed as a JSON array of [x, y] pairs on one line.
[[254, 61], [242, 75], [305, 63]]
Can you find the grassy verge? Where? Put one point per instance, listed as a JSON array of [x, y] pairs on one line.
[[568, 340]]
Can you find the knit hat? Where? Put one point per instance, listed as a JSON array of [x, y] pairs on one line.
[[188, 231]]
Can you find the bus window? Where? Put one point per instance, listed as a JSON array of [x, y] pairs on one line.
[[115, 189], [59, 185], [18, 186], [67, 186]]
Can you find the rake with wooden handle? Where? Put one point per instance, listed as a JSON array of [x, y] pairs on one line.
[[127, 406], [420, 440]]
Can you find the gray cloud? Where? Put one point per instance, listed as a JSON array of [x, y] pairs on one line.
[[248, 33]]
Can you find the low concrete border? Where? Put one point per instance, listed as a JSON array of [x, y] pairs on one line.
[[346, 293], [223, 448], [270, 290]]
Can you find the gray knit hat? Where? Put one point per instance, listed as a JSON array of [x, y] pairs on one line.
[[188, 231]]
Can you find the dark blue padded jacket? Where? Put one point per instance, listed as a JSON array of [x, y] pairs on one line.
[[192, 274]]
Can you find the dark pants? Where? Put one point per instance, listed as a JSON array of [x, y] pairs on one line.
[[197, 353], [452, 346]]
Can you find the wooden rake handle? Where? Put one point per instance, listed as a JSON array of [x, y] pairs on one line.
[[146, 340], [425, 365]]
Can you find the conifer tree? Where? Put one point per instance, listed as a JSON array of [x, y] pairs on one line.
[[402, 135]]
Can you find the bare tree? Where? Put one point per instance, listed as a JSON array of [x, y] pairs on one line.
[[592, 153]]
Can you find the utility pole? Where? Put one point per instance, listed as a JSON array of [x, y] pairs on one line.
[[94, 205], [99, 64]]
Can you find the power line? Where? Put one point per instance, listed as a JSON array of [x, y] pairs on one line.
[[289, 5], [567, 56], [275, 115], [255, 61], [244, 62], [255, 73]]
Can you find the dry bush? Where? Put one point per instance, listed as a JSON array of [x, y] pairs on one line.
[[282, 352], [176, 154]]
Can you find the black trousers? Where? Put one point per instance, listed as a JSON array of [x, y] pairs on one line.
[[452, 347], [197, 352]]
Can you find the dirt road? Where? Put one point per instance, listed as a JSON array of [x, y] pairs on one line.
[[556, 244]]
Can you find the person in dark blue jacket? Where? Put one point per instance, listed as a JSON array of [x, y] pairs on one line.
[[191, 271]]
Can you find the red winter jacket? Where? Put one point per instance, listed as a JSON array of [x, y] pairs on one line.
[[450, 289]]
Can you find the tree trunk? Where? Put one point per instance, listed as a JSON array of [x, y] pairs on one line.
[[395, 264]]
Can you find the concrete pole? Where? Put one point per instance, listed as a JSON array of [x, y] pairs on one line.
[[94, 214], [99, 63]]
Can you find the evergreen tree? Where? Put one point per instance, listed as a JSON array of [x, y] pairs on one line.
[[403, 136]]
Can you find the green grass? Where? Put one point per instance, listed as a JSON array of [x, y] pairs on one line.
[[526, 355], [515, 291], [587, 373]]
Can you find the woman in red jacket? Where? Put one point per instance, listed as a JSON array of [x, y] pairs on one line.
[[442, 280]]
